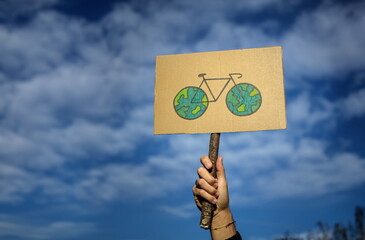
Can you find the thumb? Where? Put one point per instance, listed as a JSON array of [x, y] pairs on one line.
[[220, 168]]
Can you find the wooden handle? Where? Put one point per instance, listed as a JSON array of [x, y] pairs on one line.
[[207, 207]]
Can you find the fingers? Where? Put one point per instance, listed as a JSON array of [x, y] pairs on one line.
[[207, 186], [208, 165], [199, 192], [212, 190], [204, 174], [206, 162]]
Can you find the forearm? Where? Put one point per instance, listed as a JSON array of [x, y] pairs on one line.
[[223, 218]]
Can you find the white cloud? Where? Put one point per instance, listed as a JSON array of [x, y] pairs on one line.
[[73, 90], [307, 111], [183, 211], [14, 184], [75, 93], [72, 94], [352, 105], [225, 35], [327, 42], [79, 140], [120, 182], [10, 226], [308, 178], [306, 170]]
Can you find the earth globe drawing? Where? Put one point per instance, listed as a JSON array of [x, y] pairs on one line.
[[190, 103], [243, 99]]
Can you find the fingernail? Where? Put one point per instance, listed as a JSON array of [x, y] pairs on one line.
[[215, 185], [217, 195], [214, 201]]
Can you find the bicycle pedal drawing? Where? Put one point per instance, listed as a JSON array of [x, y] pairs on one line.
[[242, 99]]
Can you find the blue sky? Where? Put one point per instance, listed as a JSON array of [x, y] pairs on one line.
[[78, 158]]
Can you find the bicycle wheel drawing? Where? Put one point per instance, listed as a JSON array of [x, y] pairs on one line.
[[190, 103], [243, 99]]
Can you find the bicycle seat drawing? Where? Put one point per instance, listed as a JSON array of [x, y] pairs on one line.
[[242, 99]]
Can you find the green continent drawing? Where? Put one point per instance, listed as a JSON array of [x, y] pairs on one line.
[[243, 99], [190, 103]]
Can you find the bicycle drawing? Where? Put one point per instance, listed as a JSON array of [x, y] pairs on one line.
[[242, 99]]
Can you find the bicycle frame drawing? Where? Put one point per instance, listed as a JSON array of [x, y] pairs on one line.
[[202, 75]]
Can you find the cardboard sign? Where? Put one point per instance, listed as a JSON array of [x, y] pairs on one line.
[[225, 91]]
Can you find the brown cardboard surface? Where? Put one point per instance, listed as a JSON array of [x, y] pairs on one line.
[[257, 105]]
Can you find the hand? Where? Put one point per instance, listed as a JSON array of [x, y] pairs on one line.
[[211, 189], [215, 190]]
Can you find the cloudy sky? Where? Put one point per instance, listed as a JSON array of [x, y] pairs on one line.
[[78, 158]]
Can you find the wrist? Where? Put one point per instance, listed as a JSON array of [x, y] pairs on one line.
[[222, 217], [223, 224]]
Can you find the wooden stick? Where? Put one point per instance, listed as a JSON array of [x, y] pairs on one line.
[[207, 207]]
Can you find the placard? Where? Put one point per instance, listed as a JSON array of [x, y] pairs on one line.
[[223, 91]]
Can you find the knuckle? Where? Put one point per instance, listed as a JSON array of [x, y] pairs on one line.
[[212, 191], [212, 181], [209, 178], [199, 182]]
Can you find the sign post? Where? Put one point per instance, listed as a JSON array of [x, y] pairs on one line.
[[216, 92], [207, 207]]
